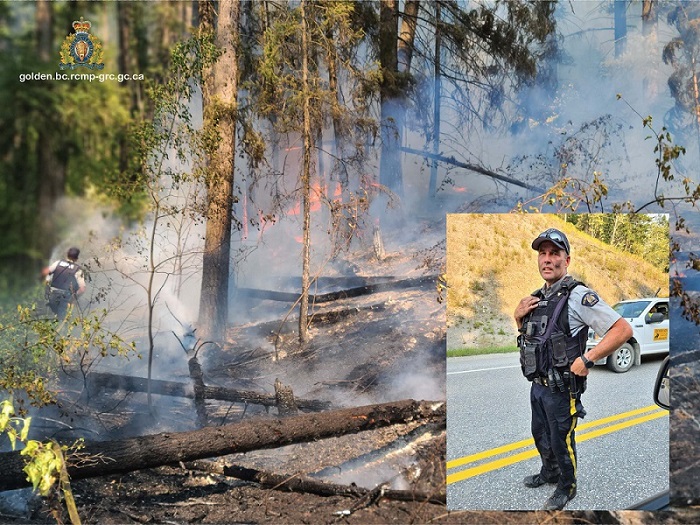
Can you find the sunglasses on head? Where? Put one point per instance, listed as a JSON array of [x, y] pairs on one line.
[[555, 236]]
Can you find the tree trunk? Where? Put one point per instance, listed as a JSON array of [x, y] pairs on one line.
[[650, 24], [127, 64], [305, 182], [113, 457], [43, 19], [338, 170], [390, 172], [696, 99], [650, 17], [613, 234], [51, 162], [432, 185], [620, 26], [407, 36], [219, 100]]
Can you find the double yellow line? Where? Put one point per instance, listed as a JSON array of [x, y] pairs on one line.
[[650, 412]]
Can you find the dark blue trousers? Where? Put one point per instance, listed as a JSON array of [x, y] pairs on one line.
[[554, 419]]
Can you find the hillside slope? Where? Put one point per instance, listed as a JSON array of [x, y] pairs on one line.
[[491, 266]]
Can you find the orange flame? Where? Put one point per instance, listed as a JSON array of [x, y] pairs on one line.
[[315, 198]]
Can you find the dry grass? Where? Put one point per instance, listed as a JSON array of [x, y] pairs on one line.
[[491, 266]]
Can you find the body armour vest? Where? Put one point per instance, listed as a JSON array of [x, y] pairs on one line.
[[547, 342], [63, 276]]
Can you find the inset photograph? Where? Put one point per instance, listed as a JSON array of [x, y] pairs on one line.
[[558, 327]]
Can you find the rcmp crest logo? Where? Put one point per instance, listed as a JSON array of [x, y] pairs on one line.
[[590, 299], [81, 49]]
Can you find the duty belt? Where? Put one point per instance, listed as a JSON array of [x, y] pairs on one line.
[[541, 381]]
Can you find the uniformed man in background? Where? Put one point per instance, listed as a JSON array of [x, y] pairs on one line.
[[553, 323], [66, 282]]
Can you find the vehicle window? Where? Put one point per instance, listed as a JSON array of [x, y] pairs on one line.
[[660, 308], [633, 309]]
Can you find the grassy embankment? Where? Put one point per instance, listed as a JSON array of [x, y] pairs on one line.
[[491, 266]]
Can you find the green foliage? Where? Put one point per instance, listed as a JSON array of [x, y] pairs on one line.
[[644, 235], [462, 352], [79, 120], [45, 466], [33, 347], [16, 429]]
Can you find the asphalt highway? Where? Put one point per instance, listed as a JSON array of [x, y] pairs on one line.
[[622, 442]]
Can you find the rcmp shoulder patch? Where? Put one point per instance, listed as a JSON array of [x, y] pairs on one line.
[[589, 299]]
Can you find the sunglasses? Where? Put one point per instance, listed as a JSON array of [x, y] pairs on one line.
[[554, 235]]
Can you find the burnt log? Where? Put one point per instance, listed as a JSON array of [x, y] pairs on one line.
[[97, 380], [305, 484], [103, 458], [198, 386], [292, 297], [286, 404]]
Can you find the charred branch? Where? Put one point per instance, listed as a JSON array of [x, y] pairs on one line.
[[98, 381], [104, 458], [335, 316], [290, 297], [473, 167], [300, 483], [378, 243]]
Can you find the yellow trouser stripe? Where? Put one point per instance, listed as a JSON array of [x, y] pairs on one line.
[[531, 453], [569, 447]]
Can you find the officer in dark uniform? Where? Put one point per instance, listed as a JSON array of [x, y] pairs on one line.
[[66, 282], [553, 324]]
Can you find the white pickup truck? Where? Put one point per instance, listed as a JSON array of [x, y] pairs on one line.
[[649, 320]]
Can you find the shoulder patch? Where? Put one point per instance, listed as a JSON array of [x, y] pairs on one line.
[[589, 299]]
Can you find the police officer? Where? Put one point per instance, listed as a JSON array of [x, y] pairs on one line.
[[66, 281], [553, 323]]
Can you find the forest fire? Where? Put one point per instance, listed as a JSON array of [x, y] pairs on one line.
[[400, 123], [318, 195]]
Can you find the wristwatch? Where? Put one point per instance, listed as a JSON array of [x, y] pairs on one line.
[[587, 362]]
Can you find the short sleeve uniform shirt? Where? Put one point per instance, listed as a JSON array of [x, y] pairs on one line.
[[586, 308]]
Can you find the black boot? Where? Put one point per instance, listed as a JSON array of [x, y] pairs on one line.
[[537, 480], [559, 499]]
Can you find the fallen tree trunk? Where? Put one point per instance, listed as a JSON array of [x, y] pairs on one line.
[[98, 380], [358, 291], [102, 458], [473, 167]]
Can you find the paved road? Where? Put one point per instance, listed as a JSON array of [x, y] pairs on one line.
[[622, 442]]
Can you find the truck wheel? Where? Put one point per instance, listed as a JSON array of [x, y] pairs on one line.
[[622, 359]]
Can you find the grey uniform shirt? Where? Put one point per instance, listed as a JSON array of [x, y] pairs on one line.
[[586, 308]]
